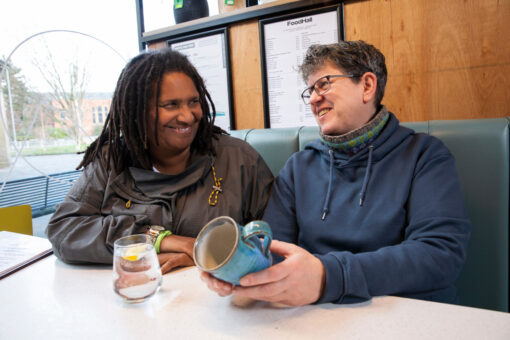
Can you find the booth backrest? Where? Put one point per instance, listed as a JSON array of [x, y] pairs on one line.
[[481, 151]]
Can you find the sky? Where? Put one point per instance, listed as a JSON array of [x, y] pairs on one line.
[[111, 21]]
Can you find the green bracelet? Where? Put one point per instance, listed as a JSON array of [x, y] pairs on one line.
[[160, 238]]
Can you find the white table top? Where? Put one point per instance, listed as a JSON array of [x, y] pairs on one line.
[[53, 300]]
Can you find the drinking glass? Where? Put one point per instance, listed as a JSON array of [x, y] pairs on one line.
[[136, 271]]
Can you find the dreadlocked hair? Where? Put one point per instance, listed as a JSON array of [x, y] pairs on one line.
[[125, 131]]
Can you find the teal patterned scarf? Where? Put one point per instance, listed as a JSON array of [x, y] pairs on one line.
[[354, 141]]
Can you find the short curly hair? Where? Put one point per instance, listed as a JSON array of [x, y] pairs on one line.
[[353, 57]]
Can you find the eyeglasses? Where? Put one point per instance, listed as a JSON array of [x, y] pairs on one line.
[[322, 85]]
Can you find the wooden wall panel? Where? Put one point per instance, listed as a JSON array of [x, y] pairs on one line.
[[438, 35], [246, 75], [452, 94], [157, 45], [446, 59], [370, 21]]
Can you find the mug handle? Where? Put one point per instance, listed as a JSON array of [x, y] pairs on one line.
[[258, 228]]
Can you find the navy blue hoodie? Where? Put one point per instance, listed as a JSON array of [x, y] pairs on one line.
[[389, 220]]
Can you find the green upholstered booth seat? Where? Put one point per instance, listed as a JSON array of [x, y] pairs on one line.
[[481, 154], [481, 151], [274, 145]]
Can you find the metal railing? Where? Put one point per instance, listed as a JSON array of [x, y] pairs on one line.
[[43, 193]]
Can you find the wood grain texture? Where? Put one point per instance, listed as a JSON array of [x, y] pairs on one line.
[[246, 75], [445, 59], [370, 21], [443, 35], [454, 94]]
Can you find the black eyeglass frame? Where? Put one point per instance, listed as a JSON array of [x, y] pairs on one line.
[[307, 93]]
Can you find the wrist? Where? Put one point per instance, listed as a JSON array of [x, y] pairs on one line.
[[160, 238], [178, 244], [186, 245], [153, 232], [322, 278]]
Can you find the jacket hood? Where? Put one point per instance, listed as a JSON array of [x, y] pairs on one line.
[[146, 185], [387, 140], [159, 184]]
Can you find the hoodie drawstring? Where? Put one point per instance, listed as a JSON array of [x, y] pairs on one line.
[[325, 209], [364, 186], [367, 176]]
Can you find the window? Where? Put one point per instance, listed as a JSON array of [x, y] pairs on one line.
[[48, 131], [100, 114], [93, 115]]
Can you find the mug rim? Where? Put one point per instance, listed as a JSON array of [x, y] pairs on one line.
[[232, 251]]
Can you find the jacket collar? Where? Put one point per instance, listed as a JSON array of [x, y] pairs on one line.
[[141, 184]]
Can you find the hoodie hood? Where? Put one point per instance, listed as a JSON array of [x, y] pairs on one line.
[[387, 140]]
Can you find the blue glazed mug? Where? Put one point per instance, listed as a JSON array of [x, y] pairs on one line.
[[229, 251]]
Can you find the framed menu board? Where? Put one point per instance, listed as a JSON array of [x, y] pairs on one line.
[[209, 53], [284, 41]]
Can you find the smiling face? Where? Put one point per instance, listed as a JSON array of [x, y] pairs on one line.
[[346, 106], [179, 116]]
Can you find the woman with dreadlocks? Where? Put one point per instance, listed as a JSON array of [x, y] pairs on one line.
[[160, 166]]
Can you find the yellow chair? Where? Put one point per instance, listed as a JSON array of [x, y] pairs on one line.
[[17, 219]]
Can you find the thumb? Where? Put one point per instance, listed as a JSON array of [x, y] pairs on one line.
[[283, 248]]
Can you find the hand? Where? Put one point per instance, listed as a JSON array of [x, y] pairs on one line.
[[222, 288], [298, 280], [175, 251], [169, 261], [177, 244]]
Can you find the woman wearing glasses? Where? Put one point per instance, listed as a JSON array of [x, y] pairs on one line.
[[371, 208]]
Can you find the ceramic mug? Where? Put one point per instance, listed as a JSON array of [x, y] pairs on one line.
[[229, 250]]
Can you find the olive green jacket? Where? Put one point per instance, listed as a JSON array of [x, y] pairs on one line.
[[103, 206]]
